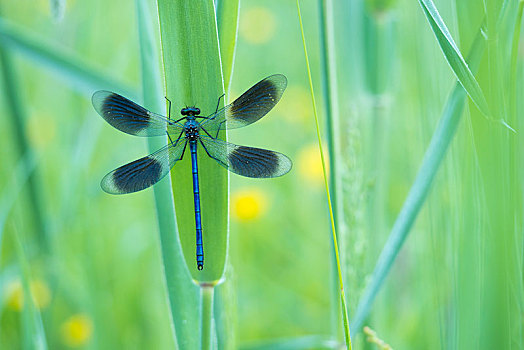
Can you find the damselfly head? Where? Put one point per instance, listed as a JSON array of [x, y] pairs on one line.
[[190, 111]]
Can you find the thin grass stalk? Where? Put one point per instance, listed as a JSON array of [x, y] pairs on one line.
[[419, 191], [342, 294], [17, 117], [379, 48], [21, 174], [376, 75], [330, 97], [181, 292]]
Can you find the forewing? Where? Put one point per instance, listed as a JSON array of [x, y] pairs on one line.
[[251, 106], [143, 172], [129, 117], [247, 161]]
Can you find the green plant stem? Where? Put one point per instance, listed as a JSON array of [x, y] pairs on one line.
[[513, 64], [21, 174], [17, 117], [419, 191], [206, 295], [342, 294], [225, 312], [330, 96], [379, 46]]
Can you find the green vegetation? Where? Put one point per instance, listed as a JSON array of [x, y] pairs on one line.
[[419, 113]]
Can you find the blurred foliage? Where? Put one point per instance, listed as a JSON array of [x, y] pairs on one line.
[[99, 285]]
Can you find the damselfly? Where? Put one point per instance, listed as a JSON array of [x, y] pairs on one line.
[[194, 130]]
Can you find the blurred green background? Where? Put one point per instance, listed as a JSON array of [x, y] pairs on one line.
[[91, 261]]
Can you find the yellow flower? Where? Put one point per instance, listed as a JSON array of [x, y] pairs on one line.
[[77, 330], [257, 25], [41, 129], [310, 165], [249, 204], [14, 293]]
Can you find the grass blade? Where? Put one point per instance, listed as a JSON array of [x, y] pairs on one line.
[[227, 21], [330, 96], [80, 74], [342, 294], [21, 174], [225, 298], [17, 116], [193, 76], [181, 292], [513, 64], [454, 57], [418, 193]]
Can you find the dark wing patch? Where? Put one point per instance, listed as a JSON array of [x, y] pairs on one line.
[[247, 161], [253, 162], [127, 116], [143, 172], [251, 106], [136, 175]]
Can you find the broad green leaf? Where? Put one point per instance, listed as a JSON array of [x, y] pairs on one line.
[[454, 57], [193, 77]]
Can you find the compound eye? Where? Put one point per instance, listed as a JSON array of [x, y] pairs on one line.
[[197, 110], [184, 111]]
